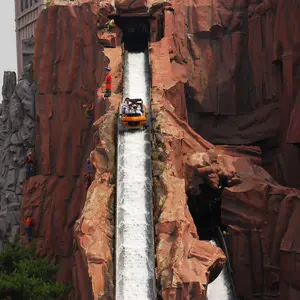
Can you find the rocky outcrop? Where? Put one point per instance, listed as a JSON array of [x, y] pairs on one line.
[[207, 65], [94, 230], [240, 75], [236, 67], [263, 218], [69, 68], [17, 130], [131, 5], [261, 214], [185, 265], [108, 40]]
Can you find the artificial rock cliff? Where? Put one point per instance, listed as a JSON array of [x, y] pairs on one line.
[[222, 79], [242, 59], [94, 230], [17, 129], [223, 72], [68, 67], [185, 265]]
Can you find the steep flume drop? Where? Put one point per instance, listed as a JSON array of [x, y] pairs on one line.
[[134, 222], [220, 288]]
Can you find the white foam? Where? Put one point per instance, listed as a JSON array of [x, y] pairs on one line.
[[220, 288], [134, 234]]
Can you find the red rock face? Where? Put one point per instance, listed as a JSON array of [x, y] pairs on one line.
[[131, 5], [69, 67], [107, 39], [242, 60], [231, 73], [94, 230], [238, 61], [263, 240], [185, 265]]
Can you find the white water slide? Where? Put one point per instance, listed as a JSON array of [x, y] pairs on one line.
[[135, 267], [220, 288]]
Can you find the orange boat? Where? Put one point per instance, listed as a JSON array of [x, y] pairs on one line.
[[133, 119]]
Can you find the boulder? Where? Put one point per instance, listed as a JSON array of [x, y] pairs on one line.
[[131, 5], [107, 40]]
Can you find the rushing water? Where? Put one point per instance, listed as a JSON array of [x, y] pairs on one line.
[[220, 288], [134, 233]]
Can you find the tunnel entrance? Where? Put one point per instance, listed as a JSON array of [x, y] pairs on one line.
[[136, 32], [206, 211]]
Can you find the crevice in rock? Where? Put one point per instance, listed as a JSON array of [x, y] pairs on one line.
[[205, 209], [157, 26]]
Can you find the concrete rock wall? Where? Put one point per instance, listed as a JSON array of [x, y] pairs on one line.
[[242, 62], [238, 62], [17, 134], [263, 218], [237, 67], [69, 68]]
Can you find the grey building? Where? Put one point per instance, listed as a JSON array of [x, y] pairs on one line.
[[26, 12]]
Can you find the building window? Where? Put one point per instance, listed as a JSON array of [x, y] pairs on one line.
[[27, 50], [22, 6]]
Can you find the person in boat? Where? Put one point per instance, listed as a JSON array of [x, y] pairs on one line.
[[136, 111], [139, 110], [126, 106]]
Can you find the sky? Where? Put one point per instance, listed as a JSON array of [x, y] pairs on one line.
[[8, 51]]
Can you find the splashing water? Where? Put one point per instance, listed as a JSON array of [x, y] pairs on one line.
[[134, 233], [220, 288]]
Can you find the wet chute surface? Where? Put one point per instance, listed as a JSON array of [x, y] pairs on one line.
[[221, 287], [134, 221]]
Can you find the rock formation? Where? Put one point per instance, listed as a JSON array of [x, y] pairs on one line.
[[17, 129], [95, 228], [242, 79], [263, 218], [131, 5], [185, 265], [226, 69], [260, 211], [69, 67]]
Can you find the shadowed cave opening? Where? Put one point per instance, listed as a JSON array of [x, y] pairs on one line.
[[205, 209], [136, 32]]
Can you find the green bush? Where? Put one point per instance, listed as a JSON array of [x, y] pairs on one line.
[[25, 277]]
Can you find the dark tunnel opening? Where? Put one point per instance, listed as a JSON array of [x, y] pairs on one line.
[[206, 210], [136, 32]]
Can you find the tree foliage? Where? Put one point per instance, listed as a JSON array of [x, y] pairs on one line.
[[23, 276]]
